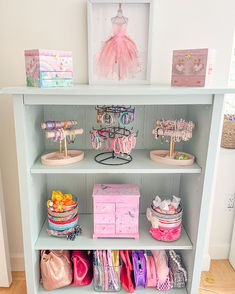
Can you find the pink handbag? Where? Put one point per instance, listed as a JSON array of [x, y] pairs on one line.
[[56, 269], [127, 271], [151, 272], [82, 267]]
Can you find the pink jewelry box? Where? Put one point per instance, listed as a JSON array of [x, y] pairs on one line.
[[116, 211], [48, 68], [193, 67]]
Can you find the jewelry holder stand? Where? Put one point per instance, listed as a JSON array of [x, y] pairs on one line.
[[116, 140], [178, 131], [61, 130]]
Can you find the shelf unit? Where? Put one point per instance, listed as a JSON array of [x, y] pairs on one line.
[[194, 184]]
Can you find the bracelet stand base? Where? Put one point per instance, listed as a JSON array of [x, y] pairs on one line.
[[57, 158], [162, 156], [110, 158]]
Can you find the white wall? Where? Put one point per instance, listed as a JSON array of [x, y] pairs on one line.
[[60, 24], [222, 217]]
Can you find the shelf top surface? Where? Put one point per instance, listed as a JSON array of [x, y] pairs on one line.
[[86, 242], [141, 163], [90, 289], [104, 90]]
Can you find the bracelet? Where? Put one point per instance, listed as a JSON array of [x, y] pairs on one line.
[[65, 124], [105, 144], [132, 140], [126, 118], [107, 119], [57, 124], [114, 145], [72, 136], [95, 140], [156, 132], [55, 138], [126, 145], [49, 125]]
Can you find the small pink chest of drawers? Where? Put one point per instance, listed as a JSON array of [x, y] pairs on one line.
[[116, 211]]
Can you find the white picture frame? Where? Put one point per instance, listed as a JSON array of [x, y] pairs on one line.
[[139, 29]]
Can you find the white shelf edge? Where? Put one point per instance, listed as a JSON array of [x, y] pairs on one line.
[[105, 90], [141, 164], [86, 242], [89, 289]]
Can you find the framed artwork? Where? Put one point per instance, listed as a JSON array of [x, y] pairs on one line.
[[119, 41]]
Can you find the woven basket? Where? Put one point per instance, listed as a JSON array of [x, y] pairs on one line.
[[228, 135]]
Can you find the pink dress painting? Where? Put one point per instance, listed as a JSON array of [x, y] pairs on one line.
[[118, 58]]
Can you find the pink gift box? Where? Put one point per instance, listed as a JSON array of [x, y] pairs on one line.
[[116, 211], [193, 67], [45, 68]]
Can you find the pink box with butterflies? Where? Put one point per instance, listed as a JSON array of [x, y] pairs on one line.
[[116, 211], [193, 67]]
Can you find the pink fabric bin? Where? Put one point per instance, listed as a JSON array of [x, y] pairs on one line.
[[193, 67], [116, 211]]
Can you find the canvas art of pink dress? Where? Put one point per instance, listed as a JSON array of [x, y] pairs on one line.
[[118, 58]]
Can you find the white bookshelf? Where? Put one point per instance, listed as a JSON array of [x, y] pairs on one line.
[[194, 184]]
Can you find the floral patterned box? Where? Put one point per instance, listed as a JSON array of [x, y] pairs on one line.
[[193, 67], [48, 68], [116, 211]]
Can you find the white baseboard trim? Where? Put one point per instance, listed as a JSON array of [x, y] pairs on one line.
[[219, 251], [206, 263], [17, 262]]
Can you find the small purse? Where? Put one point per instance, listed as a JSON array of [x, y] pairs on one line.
[[164, 279], [179, 273], [126, 274], [82, 268], [167, 285], [140, 270], [56, 269], [151, 272]]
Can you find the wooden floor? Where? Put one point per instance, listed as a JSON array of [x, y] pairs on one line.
[[220, 278], [18, 285]]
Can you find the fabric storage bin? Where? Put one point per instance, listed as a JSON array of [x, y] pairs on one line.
[[165, 227], [48, 68]]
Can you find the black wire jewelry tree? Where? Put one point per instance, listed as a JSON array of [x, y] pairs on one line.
[[113, 135]]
